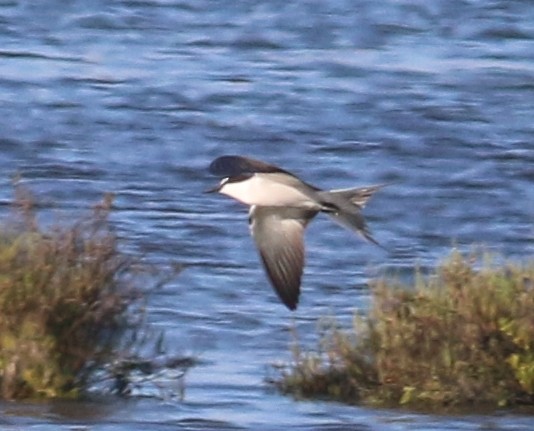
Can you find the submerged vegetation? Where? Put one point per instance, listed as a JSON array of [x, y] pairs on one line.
[[68, 297], [461, 337]]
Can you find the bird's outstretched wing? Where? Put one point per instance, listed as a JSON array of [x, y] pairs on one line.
[[278, 233]]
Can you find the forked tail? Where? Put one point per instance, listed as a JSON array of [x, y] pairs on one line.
[[345, 205]]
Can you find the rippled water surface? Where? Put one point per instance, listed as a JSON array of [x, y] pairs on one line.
[[137, 97]]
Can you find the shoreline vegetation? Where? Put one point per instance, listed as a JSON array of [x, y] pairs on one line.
[[71, 307], [72, 311], [460, 338]]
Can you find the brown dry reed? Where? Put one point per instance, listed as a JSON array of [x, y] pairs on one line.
[[461, 337], [66, 296]]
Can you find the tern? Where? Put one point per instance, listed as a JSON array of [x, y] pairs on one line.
[[281, 206]]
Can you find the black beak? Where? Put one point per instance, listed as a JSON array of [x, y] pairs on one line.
[[213, 189]]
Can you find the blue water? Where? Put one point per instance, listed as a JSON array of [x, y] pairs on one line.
[[137, 97]]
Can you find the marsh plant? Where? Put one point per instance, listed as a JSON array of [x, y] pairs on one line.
[[462, 336], [67, 298]]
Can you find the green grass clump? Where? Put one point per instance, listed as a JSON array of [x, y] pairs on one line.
[[461, 337], [65, 300]]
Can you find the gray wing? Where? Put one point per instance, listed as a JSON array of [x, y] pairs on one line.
[[278, 233]]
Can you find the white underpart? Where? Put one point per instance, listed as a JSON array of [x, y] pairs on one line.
[[260, 190]]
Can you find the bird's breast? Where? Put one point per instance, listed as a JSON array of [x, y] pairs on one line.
[[262, 191]]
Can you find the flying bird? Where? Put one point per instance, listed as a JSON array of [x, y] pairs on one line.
[[281, 206]]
